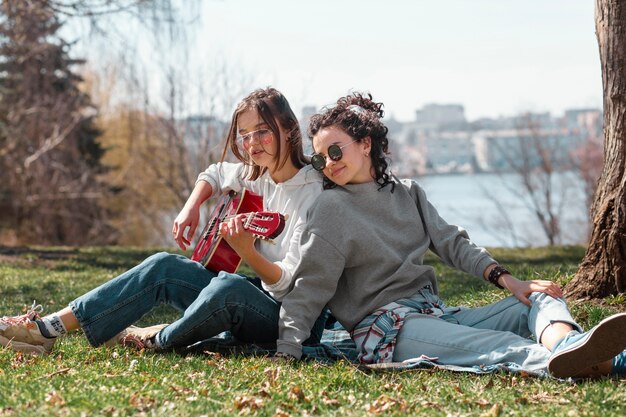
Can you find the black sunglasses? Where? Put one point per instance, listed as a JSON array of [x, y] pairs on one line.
[[335, 153]]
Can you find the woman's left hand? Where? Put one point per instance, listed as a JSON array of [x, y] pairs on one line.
[[241, 240], [522, 289]]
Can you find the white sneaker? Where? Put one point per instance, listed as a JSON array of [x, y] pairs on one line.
[[136, 337], [22, 334], [576, 354]]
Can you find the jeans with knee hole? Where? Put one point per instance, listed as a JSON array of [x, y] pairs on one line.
[[494, 334]]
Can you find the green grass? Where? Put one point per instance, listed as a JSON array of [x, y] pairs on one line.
[[77, 379]]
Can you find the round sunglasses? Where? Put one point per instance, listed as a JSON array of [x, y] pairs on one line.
[[335, 153]]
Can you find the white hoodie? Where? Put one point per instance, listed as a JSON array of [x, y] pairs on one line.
[[292, 198]]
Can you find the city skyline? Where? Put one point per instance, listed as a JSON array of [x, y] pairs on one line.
[[495, 58]]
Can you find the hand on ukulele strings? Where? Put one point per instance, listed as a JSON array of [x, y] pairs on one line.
[[241, 240], [187, 220]]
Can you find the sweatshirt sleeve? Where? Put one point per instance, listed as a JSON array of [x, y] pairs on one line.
[[451, 243], [224, 176], [288, 264], [316, 279]]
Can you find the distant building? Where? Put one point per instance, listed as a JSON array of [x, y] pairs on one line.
[[587, 121], [500, 150], [442, 140], [440, 114], [446, 151]]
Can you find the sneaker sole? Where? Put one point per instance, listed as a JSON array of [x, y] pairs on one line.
[[23, 347], [604, 342], [128, 338]]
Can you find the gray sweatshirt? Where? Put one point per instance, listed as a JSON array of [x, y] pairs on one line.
[[363, 248]]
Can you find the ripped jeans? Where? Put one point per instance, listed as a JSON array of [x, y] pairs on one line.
[[494, 334]]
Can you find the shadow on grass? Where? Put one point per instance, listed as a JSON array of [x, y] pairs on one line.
[[48, 253], [113, 258], [525, 263], [79, 259], [540, 256]]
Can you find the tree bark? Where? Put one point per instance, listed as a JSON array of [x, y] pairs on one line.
[[603, 269]]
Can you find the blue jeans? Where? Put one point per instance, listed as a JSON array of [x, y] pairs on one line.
[[234, 303], [494, 334], [212, 303]]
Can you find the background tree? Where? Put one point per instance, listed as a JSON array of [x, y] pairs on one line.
[[602, 271], [50, 155], [149, 162], [157, 154], [532, 167]]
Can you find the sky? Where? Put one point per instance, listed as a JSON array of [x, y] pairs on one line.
[[495, 57]]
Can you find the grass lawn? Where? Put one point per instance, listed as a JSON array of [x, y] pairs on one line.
[[77, 380]]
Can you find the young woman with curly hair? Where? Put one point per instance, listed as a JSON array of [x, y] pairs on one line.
[[363, 249]]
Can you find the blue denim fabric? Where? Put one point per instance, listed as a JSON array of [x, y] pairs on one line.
[[160, 279], [231, 303], [234, 303], [493, 334]]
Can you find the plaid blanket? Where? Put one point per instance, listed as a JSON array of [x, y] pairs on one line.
[[335, 345]]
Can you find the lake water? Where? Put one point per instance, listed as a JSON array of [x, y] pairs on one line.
[[465, 200]]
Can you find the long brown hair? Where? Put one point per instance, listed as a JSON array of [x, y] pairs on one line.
[[274, 109]]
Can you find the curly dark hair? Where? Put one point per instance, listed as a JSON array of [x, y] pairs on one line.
[[274, 109], [359, 116]]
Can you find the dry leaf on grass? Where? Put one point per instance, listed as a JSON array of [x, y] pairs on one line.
[[21, 359], [53, 398], [181, 390], [264, 391], [494, 411], [393, 387], [59, 372], [385, 403], [329, 401], [272, 375], [482, 402], [141, 402], [281, 413], [8, 411], [296, 393], [242, 402]]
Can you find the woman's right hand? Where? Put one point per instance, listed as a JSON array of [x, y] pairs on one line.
[[185, 226], [187, 220], [522, 289]]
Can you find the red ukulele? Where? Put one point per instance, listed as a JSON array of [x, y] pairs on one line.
[[213, 251]]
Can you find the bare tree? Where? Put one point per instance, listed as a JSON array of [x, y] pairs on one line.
[[602, 271], [30, 144], [157, 154], [535, 155], [50, 155]]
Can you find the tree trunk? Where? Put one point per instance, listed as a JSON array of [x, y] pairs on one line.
[[603, 269]]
